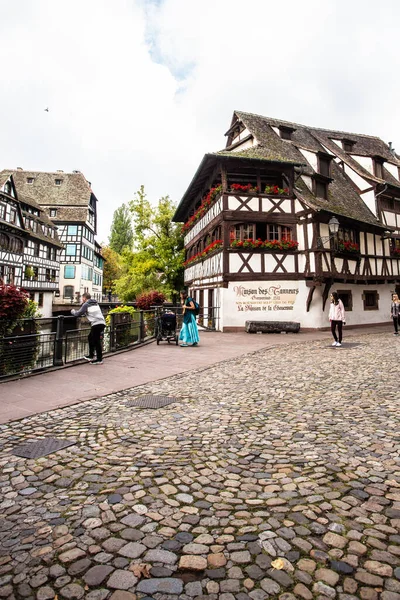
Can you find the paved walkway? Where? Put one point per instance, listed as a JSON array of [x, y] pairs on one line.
[[273, 475], [64, 387]]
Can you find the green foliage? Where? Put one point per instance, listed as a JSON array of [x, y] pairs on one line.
[[121, 309], [31, 311], [112, 269], [121, 235], [29, 272], [155, 263]]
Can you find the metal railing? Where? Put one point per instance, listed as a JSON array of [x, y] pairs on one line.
[[40, 344]]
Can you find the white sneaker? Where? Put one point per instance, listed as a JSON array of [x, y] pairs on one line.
[[338, 344], [334, 344]]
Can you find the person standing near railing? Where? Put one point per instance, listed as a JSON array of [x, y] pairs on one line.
[[92, 311]]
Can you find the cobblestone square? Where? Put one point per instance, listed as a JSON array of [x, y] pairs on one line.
[[275, 475]]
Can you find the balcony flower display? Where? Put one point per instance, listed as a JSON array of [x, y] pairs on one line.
[[276, 190], [206, 203], [248, 188], [348, 247], [201, 255], [277, 245], [395, 251]]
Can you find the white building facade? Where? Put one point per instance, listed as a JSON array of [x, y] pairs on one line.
[[70, 203]]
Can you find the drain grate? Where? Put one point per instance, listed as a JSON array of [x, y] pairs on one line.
[[151, 401], [41, 448]]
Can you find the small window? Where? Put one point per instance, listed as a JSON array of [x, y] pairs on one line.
[[58, 181], [35, 273], [285, 132], [321, 189], [325, 166], [53, 212], [2, 211], [371, 300], [30, 180], [347, 145], [40, 300], [347, 299], [13, 215], [69, 272], [242, 232], [68, 291], [378, 168], [36, 249], [70, 250], [278, 232], [72, 230], [48, 275]]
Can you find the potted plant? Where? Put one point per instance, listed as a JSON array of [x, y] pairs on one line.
[[29, 272]]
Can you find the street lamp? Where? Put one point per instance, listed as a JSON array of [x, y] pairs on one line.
[[333, 225]]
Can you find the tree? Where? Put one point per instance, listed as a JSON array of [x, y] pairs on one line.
[[156, 261], [121, 235], [112, 269]]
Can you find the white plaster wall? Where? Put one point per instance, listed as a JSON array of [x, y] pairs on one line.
[[47, 309], [300, 236], [246, 144], [234, 204], [370, 244], [276, 129], [364, 161], [310, 235], [298, 206], [338, 143], [310, 157], [308, 181], [237, 307], [360, 182], [390, 218], [393, 169], [369, 199]]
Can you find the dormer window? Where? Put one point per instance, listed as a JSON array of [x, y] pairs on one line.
[[58, 181], [286, 132], [53, 212], [378, 167], [7, 188], [30, 180], [321, 189], [348, 145], [324, 164]]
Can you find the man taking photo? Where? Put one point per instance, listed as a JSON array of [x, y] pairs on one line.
[[92, 311]]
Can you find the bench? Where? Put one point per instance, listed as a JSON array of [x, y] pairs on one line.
[[272, 327]]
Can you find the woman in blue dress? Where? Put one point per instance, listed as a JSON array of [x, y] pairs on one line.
[[189, 335]]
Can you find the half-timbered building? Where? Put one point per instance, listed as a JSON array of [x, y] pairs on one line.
[[70, 203], [29, 245], [286, 214]]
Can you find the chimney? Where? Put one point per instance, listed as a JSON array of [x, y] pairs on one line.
[[19, 169], [60, 171]]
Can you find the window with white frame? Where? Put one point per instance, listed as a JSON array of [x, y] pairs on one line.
[[242, 232]]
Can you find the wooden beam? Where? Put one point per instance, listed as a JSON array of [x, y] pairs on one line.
[[309, 297]]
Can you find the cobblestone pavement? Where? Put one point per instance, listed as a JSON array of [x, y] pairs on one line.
[[274, 475]]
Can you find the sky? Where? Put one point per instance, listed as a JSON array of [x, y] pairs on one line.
[[139, 90]]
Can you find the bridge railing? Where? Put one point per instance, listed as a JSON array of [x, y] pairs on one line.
[[41, 344]]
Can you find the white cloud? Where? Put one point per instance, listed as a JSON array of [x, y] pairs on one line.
[[139, 90]]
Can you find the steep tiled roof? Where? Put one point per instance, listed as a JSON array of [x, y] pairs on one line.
[[342, 199], [74, 190]]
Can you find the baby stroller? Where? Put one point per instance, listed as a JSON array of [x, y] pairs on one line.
[[166, 327]]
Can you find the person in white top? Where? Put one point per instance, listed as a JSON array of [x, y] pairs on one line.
[[337, 318]]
